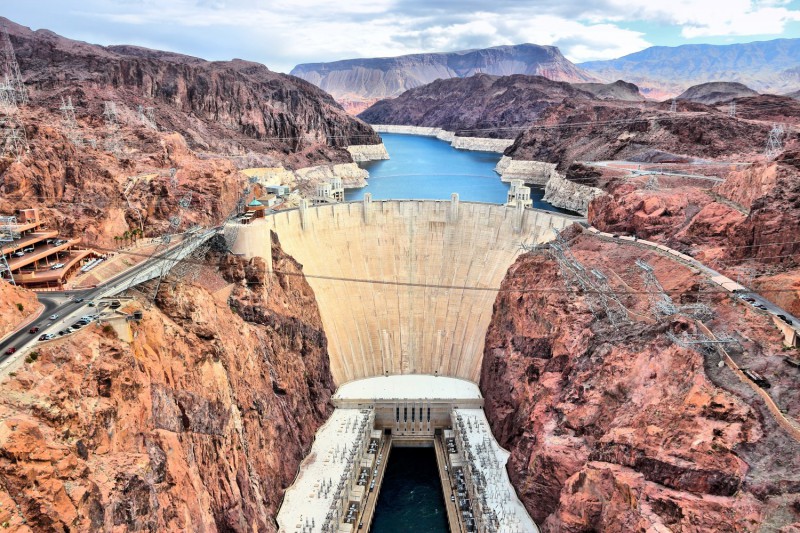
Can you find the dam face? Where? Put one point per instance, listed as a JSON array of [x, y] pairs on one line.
[[403, 286]]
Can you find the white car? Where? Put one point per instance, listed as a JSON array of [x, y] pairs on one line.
[[57, 266], [54, 317]]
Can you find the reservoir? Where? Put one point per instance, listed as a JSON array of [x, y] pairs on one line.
[[427, 168], [411, 499]]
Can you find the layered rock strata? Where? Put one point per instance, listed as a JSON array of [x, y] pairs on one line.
[[198, 424], [362, 153], [617, 428], [566, 194]]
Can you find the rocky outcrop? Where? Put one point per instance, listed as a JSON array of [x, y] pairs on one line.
[[362, 153], [531, 172], [355, 82], [616, 428], [227, 106], [478, 144], [88, 193], [601, 131], [619, 90], [478, 106], [566, 194], [211, 119], [16, 306], [351, 174], [716, 92], [198, 424], [769, 233]]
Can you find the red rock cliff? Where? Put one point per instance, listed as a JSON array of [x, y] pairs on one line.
[[198, 424], [618, 428]]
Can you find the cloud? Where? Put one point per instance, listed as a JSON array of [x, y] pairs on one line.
[[282, 33]]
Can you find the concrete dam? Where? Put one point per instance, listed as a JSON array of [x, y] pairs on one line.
[[403, 286], [405, 289]]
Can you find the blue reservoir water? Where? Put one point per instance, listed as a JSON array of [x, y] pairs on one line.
[[429, 169], [411, 499]]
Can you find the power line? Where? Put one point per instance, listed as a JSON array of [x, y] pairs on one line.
[[435, 286]]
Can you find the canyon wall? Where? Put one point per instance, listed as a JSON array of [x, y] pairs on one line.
[[238, 107], [16, 306], [617, 428], [362, 153], [404, 287], [198, 424], [566, 194]]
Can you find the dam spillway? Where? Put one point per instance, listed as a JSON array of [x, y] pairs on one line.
[[403, 286]]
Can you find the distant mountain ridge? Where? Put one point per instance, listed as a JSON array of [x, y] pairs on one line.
[[661, 71], [359, 82], [715, 92], [483, 103]]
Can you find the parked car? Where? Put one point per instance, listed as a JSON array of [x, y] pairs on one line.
[[54, 316], [762, 307], [28, 250], [785, 319], [46, 337], [18, 253], [78, 300], [63, 332], [57, 266], [90, 304], [11, 350], [33, 330]]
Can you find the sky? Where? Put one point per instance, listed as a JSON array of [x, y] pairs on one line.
[[284, 33]]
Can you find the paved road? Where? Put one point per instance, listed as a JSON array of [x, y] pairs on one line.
[[64, 303], [708, 271]]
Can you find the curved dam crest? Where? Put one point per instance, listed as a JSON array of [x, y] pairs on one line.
[[403, 286]]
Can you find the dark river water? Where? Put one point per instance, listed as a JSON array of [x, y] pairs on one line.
[[426, 168], [411, 499]]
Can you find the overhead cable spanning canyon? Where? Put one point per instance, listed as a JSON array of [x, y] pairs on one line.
[[488, 290]]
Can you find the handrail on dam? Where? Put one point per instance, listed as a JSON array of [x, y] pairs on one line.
[[576, 218]]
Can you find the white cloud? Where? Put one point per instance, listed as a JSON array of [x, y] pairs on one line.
[[282, 33], [715, 18]]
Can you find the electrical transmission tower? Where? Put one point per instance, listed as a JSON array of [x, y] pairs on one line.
[[174, 224], [70, 124], [594, 285], [113, 141], [774, 142], [13, 138], [673, 107], [8, 233], [147, 116], [8, 98], [661, 303], [732, 109], [701, 342], [10, 68]]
